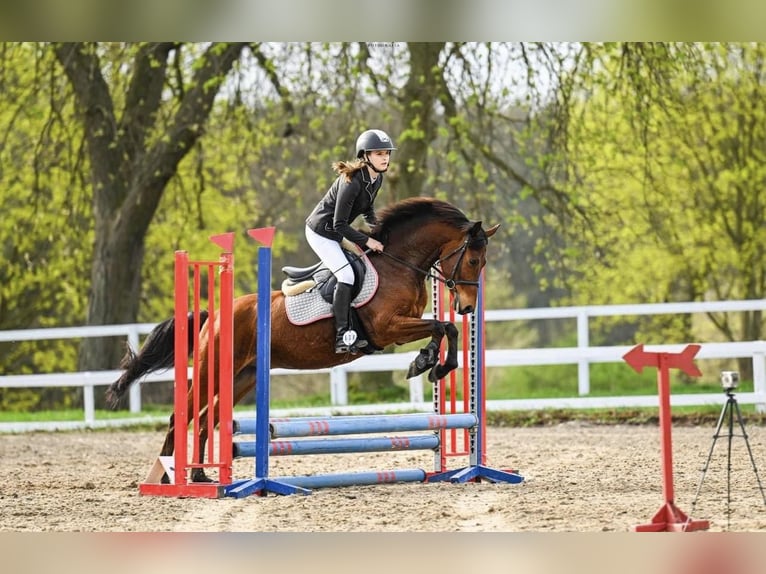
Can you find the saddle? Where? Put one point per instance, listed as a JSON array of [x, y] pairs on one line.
[[320, 278], [309, 293]]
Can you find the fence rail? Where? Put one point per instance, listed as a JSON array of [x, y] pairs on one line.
[[583, 355]]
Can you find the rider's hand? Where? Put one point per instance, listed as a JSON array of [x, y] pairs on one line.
[[374, 244]]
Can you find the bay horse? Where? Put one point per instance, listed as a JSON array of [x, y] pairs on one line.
[[423, 238]]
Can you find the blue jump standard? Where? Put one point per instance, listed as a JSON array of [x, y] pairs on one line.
[[476, 473], [260, 483]]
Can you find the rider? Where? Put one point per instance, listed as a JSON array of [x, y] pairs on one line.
[[352, 194]]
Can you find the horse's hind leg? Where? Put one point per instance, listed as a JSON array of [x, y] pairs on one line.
[[243, 384], [167, 446], [198, 474]]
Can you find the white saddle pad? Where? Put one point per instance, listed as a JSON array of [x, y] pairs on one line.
[[309, 306]]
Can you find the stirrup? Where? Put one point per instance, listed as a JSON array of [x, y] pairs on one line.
[[340, 349], [349, 342]]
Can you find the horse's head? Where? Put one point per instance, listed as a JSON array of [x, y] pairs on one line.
[[461, 261], [421, 232]]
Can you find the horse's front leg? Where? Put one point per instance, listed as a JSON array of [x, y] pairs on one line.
[[411, 329], [440, 370]]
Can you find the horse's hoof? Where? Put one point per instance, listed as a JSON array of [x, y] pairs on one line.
[[200, 476], [417, 367]]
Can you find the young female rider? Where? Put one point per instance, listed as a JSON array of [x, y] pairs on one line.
[[352, 194]]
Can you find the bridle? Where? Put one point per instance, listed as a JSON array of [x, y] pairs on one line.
[[453, 281]]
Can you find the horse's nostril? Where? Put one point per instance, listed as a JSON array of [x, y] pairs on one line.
[[467, 309]]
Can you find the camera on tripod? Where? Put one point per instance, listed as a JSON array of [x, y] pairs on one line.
[[729, 380]]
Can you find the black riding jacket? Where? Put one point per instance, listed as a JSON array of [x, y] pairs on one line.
[[342, 204]]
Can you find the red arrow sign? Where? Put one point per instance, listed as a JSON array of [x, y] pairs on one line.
[[637, 358], [669, 518]]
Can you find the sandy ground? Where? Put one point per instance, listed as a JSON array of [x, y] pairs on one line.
[[578, 478]]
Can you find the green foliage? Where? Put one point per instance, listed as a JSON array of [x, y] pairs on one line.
[[669, 172], [45, 231]]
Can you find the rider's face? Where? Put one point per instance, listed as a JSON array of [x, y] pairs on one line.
[[380, 159]]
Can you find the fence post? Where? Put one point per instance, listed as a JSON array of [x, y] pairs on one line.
[[759, 380], [583, 342], [134, 394], [416, 389], [338, 386], [89, 404]]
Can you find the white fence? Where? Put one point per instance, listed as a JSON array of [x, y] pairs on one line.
[[583, 355]]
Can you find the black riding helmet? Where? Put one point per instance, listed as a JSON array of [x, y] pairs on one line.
[[372, 140]]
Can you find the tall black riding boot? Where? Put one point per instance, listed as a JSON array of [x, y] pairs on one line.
[[345, 338]]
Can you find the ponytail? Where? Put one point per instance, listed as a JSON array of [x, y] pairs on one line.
[[348, 168]]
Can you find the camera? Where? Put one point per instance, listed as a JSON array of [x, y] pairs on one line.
[[729, 380]]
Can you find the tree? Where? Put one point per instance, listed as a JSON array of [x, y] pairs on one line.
[[671, 172], [135, 142]]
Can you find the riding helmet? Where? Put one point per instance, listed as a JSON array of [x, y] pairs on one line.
[[373, 140]]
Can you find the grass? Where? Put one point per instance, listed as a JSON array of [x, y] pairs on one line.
[[78, 415]]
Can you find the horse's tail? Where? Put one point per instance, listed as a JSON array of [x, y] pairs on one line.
[[157, 353]]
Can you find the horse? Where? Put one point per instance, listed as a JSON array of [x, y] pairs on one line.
[[423, 238]]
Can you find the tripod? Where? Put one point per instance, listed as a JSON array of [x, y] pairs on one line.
[[730, 408]]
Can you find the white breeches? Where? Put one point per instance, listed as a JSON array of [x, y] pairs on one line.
[[332, 256]]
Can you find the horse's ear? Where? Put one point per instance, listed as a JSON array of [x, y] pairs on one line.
[[491, 231]]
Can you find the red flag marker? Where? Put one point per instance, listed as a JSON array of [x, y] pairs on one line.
[[263, 235], [225, 241]]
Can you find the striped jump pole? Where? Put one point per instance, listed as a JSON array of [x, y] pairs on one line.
[[339, 446], [344, 425], [177, 467], [355, 478]]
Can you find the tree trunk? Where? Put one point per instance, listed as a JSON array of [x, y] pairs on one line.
[[419, 95]]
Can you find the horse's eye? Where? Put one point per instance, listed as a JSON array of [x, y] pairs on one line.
[[474, 261]]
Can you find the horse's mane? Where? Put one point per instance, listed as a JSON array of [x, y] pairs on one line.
[[417, 211]]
